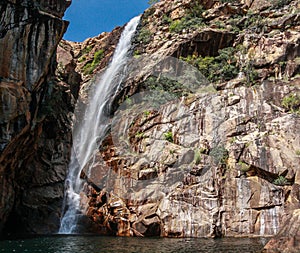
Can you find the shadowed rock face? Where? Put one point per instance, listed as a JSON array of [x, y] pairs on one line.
[[35, 28], [34, 116], [221, 162], [287, 240]]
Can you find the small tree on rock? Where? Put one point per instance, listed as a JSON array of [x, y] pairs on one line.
[[153, 1]]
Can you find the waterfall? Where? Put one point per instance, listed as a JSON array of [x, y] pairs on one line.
[[90, 131]]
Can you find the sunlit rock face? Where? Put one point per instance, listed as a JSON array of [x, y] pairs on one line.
[[184, 188], [34, 120], [223, 161]]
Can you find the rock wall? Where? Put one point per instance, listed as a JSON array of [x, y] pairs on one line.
[[34, 117], [287, 240], [223, 161]]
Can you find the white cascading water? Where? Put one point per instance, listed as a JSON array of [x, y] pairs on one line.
[[89, 132]]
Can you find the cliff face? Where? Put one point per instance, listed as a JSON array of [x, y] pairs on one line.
[[223, 161], [218, 159], [34, 116]]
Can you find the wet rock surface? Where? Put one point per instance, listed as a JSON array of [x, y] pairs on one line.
[[287, 240], [223, 161], [35, 116]]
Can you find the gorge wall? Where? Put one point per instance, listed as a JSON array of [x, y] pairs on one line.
[[222, 161], [35, 115]]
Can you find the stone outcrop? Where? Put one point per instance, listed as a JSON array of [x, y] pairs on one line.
[[35, 115], [223, 161], [85, 53], [183, 187], [287, 240]]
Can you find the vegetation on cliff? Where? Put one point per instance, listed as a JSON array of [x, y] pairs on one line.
[[219, 160], [226, 144]]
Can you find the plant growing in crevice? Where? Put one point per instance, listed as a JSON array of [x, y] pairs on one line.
[[128, 101], [147, 113], [162, 89], [82, 59], [253, 21], [89, 67], [86, 50], [219, 154], [139, 135], [250, 73], [144, 36], [232, 140], [281, 180], [136, 54], [291, 102], [197, 156], [172, 151], [166, 20], [150, 2], [169, 136], [243, 167], [220, 68], [192, 20]]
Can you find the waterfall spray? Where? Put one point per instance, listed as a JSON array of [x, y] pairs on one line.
[[90, 131]]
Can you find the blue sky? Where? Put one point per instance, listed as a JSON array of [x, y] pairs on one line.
[[89, 18]]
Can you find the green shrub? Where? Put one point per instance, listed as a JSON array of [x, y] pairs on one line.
[[166, 20], [291, 102], [197, 157], [196, 9], [146, 113], [98, 57], [175, 26], [144, 36], [250, 73], [163, 89], [220, 68], [187, 22], [206, 66], [139, 135], [192, 20], [86, 50], [244, 167], [172, 151], [150, 2], [280, 181], [136, 54], [169, 136], [82, 59], [89, 67], [128, 101], [219, 154]]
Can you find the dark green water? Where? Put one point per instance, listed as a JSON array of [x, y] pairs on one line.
[[93, 244]]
